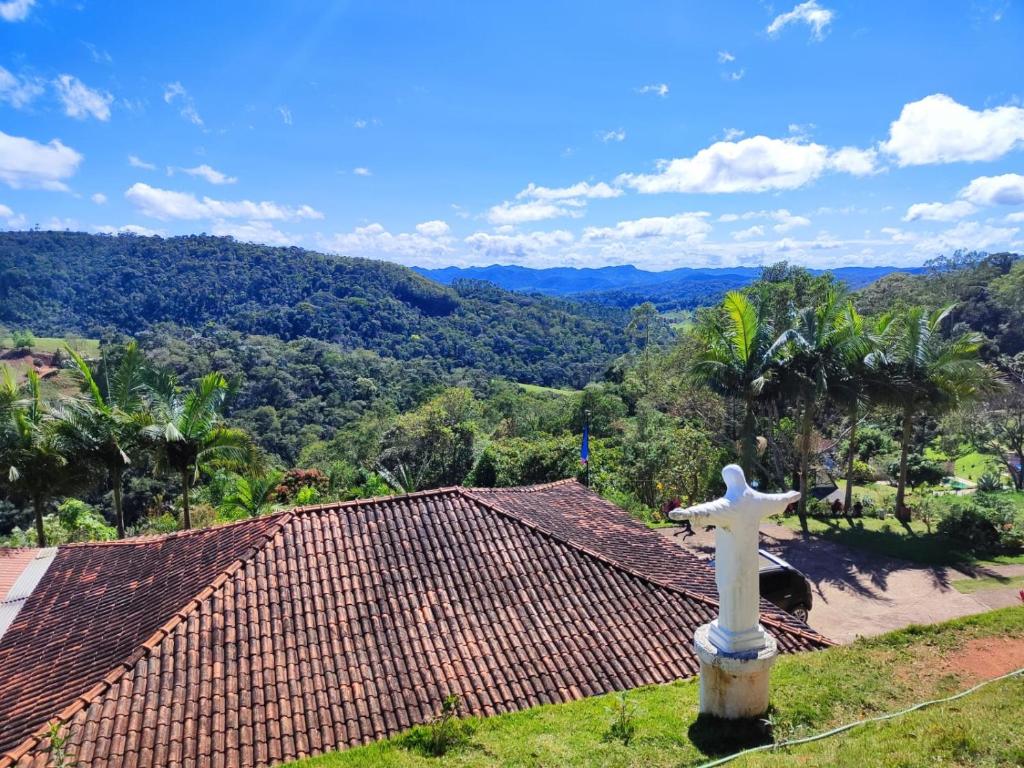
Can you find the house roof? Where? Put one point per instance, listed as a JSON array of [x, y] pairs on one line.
[[332, 626]]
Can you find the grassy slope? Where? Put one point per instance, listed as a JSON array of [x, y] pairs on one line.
[[811, 693]]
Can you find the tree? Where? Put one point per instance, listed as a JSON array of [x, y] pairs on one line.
[[253, 493], [737, 359], [923, 370], [103, 427], [813, 357], [188, 434], [34, 462]]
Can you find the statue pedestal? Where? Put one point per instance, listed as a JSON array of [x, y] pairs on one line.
[[733, 686]]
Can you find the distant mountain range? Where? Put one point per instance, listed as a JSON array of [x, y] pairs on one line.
[[625, 286]]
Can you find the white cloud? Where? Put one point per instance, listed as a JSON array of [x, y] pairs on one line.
[[11, 220], [25, 163], [129, 229], [252, 232], [731, 134], [581, 189], [19, 91], [854, 161], [618, 134], [749, 234], [724, 57], [970, 235], [809, 13], [360, 123], [757, 164], [99, 198], [175, 93], [375, 241], [1016, 218], [166, 204], [210, 174], [691, 226], [136, 162], [660, 89], [434, 228], [15, 10], [939, 211], [534, 210], [734, 76], [286, 115], [80, 101], [784, 220], [362, 171], [937, 129], [1007, 189], [518, 247]]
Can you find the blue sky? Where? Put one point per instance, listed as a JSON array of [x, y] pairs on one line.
[[661, 134]]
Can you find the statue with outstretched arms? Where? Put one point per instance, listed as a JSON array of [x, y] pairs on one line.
[[737, 518]]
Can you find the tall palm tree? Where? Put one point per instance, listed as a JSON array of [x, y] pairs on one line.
[[34, 463], [812, 356], [737, 360], [104, 425], [924, 370], [188, 434]]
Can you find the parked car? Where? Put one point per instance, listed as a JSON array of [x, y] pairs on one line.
[[784, 586]]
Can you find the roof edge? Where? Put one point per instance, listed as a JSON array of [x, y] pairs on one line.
[[11, 757]]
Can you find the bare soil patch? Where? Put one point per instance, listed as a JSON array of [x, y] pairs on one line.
[[986, 657]]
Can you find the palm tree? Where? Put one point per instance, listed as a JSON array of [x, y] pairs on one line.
[[253, 493], [188, 434], [34, 464], [923, 370], [855, 390], [104, 426], [812, 356], [737, 360]]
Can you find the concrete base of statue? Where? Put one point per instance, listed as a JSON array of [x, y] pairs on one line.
[[733, 686]]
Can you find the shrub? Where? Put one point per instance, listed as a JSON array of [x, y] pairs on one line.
[[920, 471], [445, 732], [862, 472], [623, 726], [989, 482], [295, 480], [985, 524], [23, 339], [74, 521]]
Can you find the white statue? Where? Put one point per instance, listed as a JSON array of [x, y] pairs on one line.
[[737, 519], [734, 651]]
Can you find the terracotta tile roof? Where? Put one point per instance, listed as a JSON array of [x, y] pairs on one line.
[[333, 626], [12, 563]]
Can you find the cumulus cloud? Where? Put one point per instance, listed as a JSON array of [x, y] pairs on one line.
[[253, 232], [691, 226], [517, 247], [80, 101], [658, 89], [809, 13], [617, 134], [533, 210], [939, 211], [210, 174], [99, 198], [129, 229], [26, 164], [167, 204], [854, 161], [1007, 189], [748, 234], [784, 220], [17, 91], [286, 115], [136, 162], [757, 164], [434, 228], [431, 247], [937, 129], [15, 10], [724, 57], [971, 235], [362, 171], [175, 93], [581, 189]]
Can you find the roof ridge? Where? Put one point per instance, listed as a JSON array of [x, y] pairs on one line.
[[333, 505], [12, 756], [157, 537], [531, 488], [700, 596]]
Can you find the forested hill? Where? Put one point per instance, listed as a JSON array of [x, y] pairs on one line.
[[63, 282]]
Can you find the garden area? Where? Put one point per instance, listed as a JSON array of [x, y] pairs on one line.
[[814, 692]]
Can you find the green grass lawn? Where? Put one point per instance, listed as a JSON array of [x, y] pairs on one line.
[[537, 389], [811, 693], [970, 586], [52, 344]]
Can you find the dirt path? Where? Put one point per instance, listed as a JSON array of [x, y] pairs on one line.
[[858, 593]]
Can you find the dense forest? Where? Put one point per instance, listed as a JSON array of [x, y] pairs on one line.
[[892, 391], [98, 286]]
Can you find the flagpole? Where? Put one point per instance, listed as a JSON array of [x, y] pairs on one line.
[[586, 431]]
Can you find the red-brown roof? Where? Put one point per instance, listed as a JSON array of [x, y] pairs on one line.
[[12, 563], [329, 627]]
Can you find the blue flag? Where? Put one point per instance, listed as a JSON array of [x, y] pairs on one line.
[[585, 447]]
